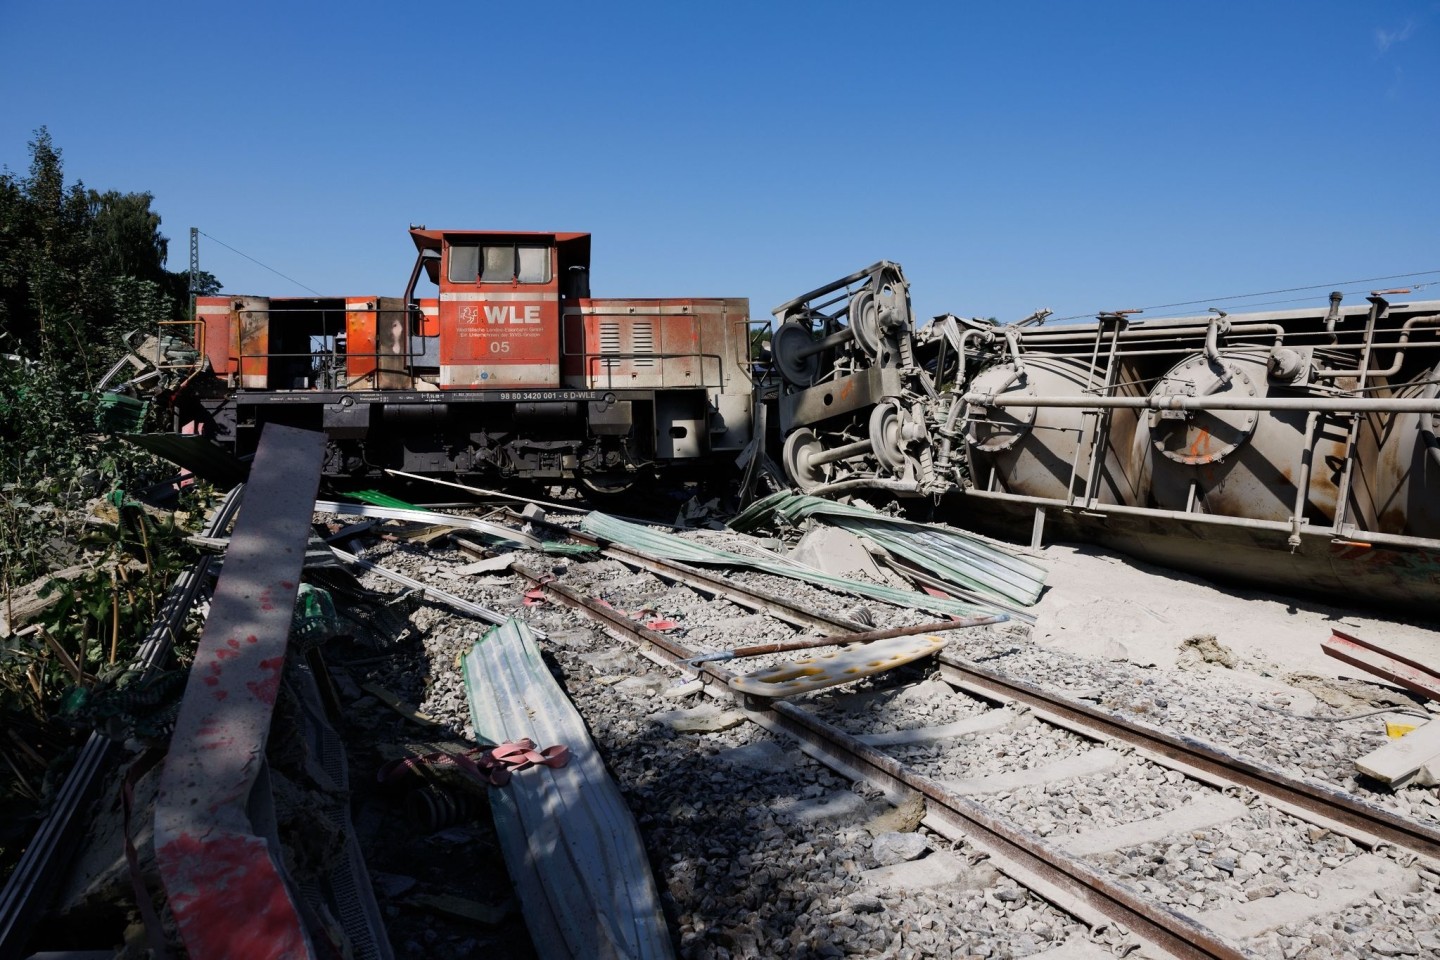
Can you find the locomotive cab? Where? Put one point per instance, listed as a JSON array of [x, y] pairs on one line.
[[499, 304]]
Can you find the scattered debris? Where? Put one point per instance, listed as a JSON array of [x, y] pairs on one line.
[[1204, 648], [808, 643], [673, 547], [959, 558], [406, 710], [696, 514], [214, 810], [485, 914], [837, 552], [806, 674]]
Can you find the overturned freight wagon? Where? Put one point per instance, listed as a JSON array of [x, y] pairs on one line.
[[1291, 449], [510, 369]]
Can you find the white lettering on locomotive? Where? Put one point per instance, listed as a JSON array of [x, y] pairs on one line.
[[511, 314]]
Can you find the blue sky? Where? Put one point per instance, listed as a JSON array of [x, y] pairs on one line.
[[1009, 155]]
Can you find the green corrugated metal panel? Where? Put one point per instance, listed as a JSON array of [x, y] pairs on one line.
[[570, 843], [948, 554], [202, 457], [381, 499], [118, 413], [675, 548], [568, 549]]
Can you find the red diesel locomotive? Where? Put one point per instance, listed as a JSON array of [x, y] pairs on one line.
[[510, 369]]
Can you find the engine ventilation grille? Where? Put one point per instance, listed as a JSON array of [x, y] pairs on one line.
[[609, 342], [643, 339]]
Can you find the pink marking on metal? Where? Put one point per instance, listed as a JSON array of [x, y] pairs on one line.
[[286, 584], [267, 688], [237, 871], [226, 884]]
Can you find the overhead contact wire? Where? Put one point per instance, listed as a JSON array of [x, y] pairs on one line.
[[1265, 293], [258, 263]]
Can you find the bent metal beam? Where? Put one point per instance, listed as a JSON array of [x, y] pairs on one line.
[[225, 882]]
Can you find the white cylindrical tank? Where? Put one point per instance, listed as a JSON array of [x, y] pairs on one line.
[[1237, 463], [1032, 451]]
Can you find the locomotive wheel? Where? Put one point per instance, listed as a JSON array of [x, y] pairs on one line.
[[799, 447], [865, 322], [607, 485], [887, 436], [785, 347]]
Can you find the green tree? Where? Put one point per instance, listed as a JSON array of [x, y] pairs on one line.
[[126, 235]]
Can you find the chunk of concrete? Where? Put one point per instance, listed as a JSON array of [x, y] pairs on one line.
[[892, 848], [836, 552], [941, 868], [702, 719]]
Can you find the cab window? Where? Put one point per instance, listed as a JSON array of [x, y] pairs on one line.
[[499, 263]]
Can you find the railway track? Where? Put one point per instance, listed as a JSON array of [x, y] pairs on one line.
[[1219, 800], [1050, 822]]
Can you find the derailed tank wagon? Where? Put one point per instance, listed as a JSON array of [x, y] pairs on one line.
[[1291, 449], [511, 369]]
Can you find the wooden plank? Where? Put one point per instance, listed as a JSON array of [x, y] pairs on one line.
[[1401, 759]]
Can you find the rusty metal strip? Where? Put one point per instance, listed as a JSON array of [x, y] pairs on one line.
[[1049, 871], [30, 886], [226, 885], [1415, 677]]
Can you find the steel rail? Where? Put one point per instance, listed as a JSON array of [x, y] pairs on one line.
[[32, 883], [1051, 873], [1311, 802]]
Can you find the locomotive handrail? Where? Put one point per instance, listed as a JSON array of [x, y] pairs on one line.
[[1213, 402]]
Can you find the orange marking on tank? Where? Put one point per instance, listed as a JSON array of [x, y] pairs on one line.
[[1201, 446]]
